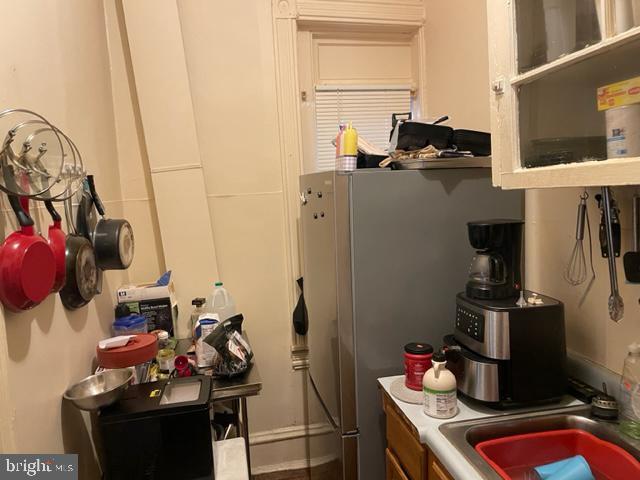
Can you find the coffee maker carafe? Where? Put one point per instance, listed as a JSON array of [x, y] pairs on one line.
[[495, 271]]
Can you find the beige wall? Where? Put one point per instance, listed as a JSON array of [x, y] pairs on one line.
[[60, 69], [232, 78], [457, 62], [375, 58], [132, 158], [550, 237], [461, 89]]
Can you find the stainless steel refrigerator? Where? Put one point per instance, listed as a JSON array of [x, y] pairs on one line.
[[385, 253]]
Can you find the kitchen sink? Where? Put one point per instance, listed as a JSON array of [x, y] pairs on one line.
[[465, 435]]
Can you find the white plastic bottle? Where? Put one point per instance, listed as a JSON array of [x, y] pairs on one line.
[[630, 384], [439, 388], [205, 353], [221, 302]]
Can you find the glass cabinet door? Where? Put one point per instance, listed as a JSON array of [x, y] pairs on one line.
[[586, 107]]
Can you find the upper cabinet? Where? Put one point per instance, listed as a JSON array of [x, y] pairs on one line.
[[565, 92]]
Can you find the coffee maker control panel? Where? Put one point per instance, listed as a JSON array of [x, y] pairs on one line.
[[470, 322]]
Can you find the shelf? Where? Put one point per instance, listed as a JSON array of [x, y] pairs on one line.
[[576, 57], [618, 171]]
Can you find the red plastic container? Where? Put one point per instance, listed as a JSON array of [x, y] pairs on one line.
[[141, 348], [417, 360], [515, 457]]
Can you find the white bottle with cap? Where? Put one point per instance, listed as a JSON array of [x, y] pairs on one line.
[[630, 383], [439, 388]]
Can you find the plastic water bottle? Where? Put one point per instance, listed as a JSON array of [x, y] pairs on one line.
[[221, 302], [630, 384]]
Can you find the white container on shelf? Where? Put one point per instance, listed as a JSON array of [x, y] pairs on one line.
[[221, 302], [623, 131], [560, 27]]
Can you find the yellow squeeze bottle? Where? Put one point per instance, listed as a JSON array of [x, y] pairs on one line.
[[349, 158], [350, 141]]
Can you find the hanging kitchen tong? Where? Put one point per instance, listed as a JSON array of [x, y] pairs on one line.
[[615, 226], [616, 305]]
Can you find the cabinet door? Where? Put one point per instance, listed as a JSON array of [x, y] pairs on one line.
[[404, 445], [565, 103], [394, 470], [436, 470]]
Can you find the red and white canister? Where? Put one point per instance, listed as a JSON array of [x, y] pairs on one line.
[[417, 360]]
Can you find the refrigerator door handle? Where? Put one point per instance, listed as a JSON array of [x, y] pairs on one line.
[[324, 406]]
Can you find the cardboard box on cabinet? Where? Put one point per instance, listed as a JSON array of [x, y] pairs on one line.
[[157, 303]]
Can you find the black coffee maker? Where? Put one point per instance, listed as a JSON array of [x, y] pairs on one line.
[[495, 271], [504, 352]]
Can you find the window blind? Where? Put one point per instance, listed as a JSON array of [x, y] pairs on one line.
[[369, 109]]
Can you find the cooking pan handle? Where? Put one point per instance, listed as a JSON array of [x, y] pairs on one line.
[[68, 214], [96, 199], [23, 218], [52, 211]]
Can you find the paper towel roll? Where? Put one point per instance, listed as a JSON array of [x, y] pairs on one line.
[[623, 131]]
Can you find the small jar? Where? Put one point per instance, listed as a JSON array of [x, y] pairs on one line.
[[166, 358], [417, 360], [163, 338]]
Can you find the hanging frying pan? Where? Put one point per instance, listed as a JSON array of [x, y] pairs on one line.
[[112, 238], [56, 237], [82, 274], [86, 223], [27, 264], [57, 241]]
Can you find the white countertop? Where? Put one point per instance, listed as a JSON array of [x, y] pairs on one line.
[[430, 435]]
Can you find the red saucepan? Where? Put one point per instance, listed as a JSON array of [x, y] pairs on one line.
[[27, 264], [57, 241]]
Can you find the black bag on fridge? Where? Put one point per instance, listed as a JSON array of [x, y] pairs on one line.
[[417, 135], [478, 143]]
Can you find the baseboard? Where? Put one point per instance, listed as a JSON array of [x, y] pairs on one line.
[[289, 433], [292, 465]]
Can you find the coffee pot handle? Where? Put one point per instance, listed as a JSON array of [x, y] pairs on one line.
[[498, 274]]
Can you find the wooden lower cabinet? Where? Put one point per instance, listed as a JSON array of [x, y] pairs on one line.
[[406, 457], [436, 470], [394, 470]]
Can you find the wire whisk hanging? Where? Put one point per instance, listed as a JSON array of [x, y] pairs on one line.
[[576, 271]]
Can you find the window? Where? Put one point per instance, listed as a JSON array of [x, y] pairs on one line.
[[368, 108]]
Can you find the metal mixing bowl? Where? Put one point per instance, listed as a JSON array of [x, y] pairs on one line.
[[99, 390]]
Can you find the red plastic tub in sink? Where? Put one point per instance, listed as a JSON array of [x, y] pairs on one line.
[[514, 457]]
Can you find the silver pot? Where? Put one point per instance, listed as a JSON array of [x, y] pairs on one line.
[[100, 390]]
